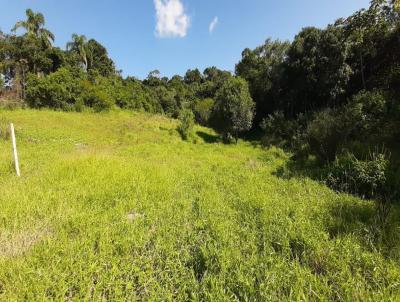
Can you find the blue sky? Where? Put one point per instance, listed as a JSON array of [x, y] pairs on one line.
[[174, 35]]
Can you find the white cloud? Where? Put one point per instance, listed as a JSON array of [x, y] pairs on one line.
[[213, 24], [172, 20]]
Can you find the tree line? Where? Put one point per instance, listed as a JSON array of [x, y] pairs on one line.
[[334, 93], [331, 93], [83, 76]]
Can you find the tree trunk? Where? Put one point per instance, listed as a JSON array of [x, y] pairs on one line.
[[85, 62], [362, 71]]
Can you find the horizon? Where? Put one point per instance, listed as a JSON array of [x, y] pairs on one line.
[[173, 36]]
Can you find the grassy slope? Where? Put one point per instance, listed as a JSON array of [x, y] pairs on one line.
[[117, 206]]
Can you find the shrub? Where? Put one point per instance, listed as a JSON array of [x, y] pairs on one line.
[[325, 135], [59, 90], [69, 89], [203, 110], [185, 128], [282, 131], [366, 178], [166, 97], [364, 114], [96, 96]]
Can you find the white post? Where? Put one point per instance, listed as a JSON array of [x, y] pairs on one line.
[[14, 145]]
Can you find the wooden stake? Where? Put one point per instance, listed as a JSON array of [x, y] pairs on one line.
[[14, 145]]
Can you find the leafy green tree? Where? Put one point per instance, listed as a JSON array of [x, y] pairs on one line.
[[234, 109], [317, 73], [98, 59], [135, 95], [214, 78], [263, 69], [32, 46], [166, 98], [193, 76], [153, 78]]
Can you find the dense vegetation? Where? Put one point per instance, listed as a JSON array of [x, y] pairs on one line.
[[116, 206], [334, 93]]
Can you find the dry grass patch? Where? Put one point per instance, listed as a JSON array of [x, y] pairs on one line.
[[15, 244]]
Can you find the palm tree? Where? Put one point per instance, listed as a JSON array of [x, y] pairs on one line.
[[80, 46], [34, 26]]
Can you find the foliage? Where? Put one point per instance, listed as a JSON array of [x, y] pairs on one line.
[[366, 178], [185, 128], [98, 97], [193, 76], [234, 108], [263, 69], [59, 90], [284, 132], [65, 89], [325, 135], [34, 26], [317, 71], [79, 46], [98, 60], [203, 110], [366, 113]]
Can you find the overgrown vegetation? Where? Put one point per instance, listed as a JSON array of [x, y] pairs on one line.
[[333, 93]]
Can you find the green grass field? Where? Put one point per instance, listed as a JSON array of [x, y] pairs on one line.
[[117, 207]]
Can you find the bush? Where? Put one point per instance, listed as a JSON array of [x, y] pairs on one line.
[[366, 178], [69, 89], [96, 96], [166, 97], [132, 94], [283, 132], [203, 110], [364, 114], [325, 135], [59, 90], [185, 128]]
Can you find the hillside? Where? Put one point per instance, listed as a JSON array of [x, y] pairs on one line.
[[115, 206]]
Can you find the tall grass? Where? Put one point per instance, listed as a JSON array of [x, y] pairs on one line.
[[117, 207]]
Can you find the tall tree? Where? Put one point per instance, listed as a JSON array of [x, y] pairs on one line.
[[234, 108], [316, 71], [34, 26], [98, 60], [263, 69], [193, 76], [79, 45]]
